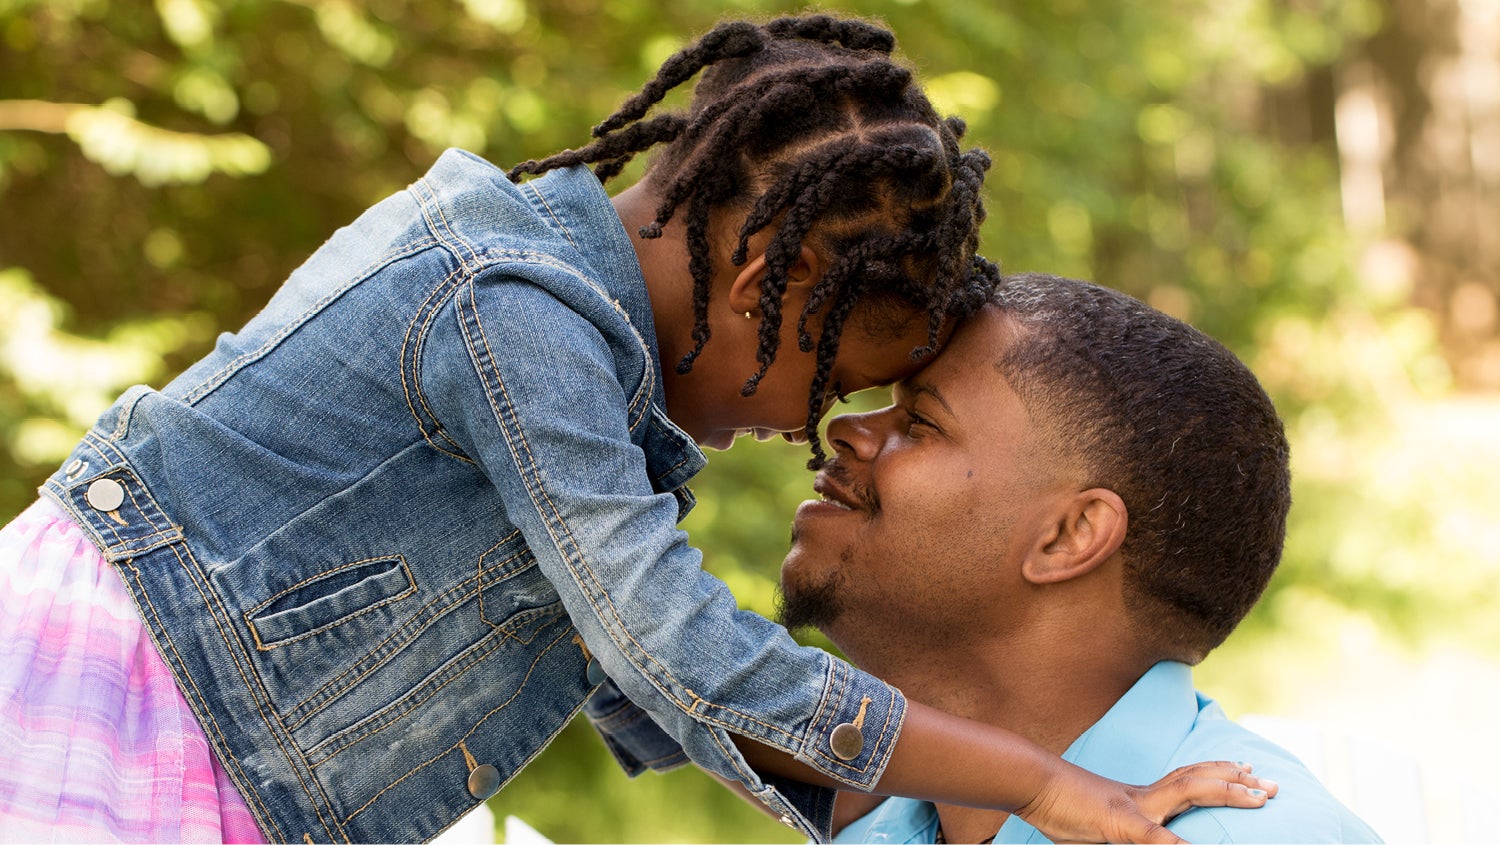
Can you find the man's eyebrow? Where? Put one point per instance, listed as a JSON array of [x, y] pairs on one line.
[[919, 387]]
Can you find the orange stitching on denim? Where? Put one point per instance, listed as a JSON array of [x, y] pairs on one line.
[[460, 587], [214, 381], [134, 545], [528, 188], [615, 615], [328, 691], [686, 456], [416, 353], [468, 756], [463, 269], [665, 758], [411, 587], [195, 576], [469, 658], [643, 394], [859, 718], [482, 719], [593, 602], [648, 380], [730, 756], [530, 461], [434, 204], [237, 773], [127, 411], [479, 577], [843, 765], [192, 703], [825, 701], [211, 598]]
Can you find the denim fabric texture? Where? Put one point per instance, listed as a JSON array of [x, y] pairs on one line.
[[379, 533]]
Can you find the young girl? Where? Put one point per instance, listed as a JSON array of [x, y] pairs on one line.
[[387, 539]]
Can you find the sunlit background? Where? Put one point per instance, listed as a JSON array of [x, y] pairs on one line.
[[1316, 183]]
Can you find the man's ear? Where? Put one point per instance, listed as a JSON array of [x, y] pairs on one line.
[[744, 291], [1086, 534]]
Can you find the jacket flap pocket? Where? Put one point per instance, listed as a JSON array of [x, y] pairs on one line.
[[672, 458], [329, 599]]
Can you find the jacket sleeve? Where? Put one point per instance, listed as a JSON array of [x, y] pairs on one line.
[[633, 738], [530, 391]]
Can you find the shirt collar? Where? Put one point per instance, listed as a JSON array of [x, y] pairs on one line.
[[1134, 741]]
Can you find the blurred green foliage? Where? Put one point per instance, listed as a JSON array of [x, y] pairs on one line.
[[163, 166]]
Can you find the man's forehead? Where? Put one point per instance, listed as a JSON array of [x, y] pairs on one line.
[[971, 357]]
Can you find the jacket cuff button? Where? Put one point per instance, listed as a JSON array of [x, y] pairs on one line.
[[484, 781], [595, 672], [846, 741]]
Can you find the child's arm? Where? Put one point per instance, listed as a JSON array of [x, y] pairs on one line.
[[953, 760], [531, 391]]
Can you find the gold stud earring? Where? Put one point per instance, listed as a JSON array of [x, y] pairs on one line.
[[747, 315]]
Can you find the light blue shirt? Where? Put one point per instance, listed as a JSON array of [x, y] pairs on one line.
[[1160, 724]]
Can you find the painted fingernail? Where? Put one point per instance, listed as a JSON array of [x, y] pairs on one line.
[[1257, 793]]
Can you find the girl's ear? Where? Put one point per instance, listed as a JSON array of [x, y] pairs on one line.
[[1085, 535], [744, 291]]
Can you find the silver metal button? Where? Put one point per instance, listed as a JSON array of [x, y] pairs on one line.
[[106, 494], [74, 468], [484, 781], [846, 741], [787, 820], [595, 672]]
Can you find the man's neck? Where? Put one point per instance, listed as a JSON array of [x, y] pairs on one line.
[[1048, 686]]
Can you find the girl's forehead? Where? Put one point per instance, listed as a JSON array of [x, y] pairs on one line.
[[886, 357]]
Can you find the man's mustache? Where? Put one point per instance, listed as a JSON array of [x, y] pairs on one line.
[[863, 495]]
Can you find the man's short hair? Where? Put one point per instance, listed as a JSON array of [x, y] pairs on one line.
[[1179, 428]]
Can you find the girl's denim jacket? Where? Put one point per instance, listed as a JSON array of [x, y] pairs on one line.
[[388, 535]]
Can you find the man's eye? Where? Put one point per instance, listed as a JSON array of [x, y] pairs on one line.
[[915, 421]]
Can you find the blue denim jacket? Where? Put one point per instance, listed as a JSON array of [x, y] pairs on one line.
[[388, 534]]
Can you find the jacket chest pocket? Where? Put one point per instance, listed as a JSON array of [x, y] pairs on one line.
[[328, 600]]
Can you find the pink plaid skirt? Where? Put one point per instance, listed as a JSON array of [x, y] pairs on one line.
[[96, 743]]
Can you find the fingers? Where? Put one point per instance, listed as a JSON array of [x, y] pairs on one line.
[[1154, 834], [1216, 784], [1241, 773]]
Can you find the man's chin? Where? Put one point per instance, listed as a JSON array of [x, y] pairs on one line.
[[814, 606]]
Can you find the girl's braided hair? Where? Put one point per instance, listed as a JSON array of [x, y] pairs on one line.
[[807, 124]]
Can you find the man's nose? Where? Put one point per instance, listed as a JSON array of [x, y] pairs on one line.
[[855, 435]]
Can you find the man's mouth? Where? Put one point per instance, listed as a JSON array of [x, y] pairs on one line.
[[833, 488]]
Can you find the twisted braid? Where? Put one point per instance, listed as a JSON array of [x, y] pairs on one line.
[[854, 34], [612, 153], [698, 264], [851, 267], [828, 349], [820, 179], [807, 127], [721, 128], [727, 41]]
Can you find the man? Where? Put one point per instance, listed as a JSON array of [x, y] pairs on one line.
[[1077, 500]]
